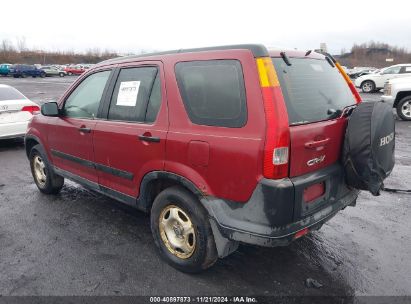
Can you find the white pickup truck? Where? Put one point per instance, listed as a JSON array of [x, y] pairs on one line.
[[397, 92]]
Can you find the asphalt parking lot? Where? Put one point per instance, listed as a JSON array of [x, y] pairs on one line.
[[81, 243]]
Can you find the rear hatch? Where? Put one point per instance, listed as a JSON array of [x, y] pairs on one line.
[[315, 93]]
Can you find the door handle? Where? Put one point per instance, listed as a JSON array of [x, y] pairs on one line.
[[317, 143], [84, 130], [149, 138]]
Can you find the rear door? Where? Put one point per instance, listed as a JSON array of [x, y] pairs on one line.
[[131, 140], [315, 94]]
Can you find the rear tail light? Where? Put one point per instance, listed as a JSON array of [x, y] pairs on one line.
[[32, 109], [280, 156], [277, 141]]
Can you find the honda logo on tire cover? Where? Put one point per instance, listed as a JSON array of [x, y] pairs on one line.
[[317, 160]]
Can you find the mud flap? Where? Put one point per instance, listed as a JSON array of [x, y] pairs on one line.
[[224, 246]]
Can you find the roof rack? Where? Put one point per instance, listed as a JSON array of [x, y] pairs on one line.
[[258, 50]]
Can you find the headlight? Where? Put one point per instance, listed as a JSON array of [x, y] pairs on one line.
[[387, 89]]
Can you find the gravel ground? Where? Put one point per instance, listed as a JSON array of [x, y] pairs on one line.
[[81, 243]]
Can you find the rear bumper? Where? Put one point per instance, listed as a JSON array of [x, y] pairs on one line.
[[276, 211], [13, 130]]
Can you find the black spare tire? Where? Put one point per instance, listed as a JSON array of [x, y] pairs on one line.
[[368, 153]]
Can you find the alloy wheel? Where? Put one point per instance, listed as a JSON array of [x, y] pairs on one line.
[[39, 170], [406, 109], [177, 231]]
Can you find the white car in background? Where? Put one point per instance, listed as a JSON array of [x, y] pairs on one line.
[[16, 110], [397, 93], [375, 81]]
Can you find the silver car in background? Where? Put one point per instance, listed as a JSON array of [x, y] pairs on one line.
[[53, 71]]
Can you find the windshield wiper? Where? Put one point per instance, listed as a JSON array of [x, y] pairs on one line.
[[334, 113], [285, 58], [329, 60]]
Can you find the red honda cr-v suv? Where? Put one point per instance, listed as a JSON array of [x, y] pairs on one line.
[[222, 145]]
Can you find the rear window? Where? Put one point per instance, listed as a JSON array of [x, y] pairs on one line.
[[313, 90], [213, 92], [10, 94]]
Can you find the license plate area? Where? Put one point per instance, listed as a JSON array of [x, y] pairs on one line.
[[8, 117], [334, 187]]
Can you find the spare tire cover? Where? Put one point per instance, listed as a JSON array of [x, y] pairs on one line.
[[368, 152]]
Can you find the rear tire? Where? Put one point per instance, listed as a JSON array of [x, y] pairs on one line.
[[69, 73], [404, 108], [182, 231], [42, 75], [61, 74], [368, 86], [46, 180]]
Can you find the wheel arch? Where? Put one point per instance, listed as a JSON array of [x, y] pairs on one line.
[[365, 80], [400, 96], [156, 181], [29, 142]]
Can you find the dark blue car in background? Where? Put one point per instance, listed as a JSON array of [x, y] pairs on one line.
[[24, 70]]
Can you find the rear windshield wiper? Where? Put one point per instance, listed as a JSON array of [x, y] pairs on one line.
[[285, 58], [329, 60], [333, 113]]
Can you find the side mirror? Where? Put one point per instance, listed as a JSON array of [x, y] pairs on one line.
[[50, 109]]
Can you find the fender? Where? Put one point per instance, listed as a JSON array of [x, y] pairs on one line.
[[36, 138], [143, 200]]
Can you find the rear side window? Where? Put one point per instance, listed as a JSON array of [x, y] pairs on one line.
[[132, 94], [313, 90], [213, 92], [406, 69]]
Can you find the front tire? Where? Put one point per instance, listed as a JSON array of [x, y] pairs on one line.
[[368, 86], [61, 74], [182, 231], [46, 180], [404, 108]]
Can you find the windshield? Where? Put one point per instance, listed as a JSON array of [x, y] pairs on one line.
[[10, 94], [313, 90]]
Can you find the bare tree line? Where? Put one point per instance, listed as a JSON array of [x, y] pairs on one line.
[[20, 53], [374, 54], [365, 54]]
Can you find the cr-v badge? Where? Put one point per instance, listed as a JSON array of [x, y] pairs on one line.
[[317, 160]]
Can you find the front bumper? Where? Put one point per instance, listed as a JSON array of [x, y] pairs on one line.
[[357, 82], [276, 210], [388, 99]]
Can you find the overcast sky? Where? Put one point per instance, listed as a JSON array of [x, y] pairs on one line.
[[129, 26]]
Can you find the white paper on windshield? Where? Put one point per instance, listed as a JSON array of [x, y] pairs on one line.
[[127, 94], [317, 67]]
